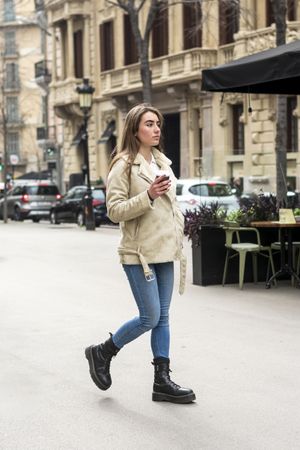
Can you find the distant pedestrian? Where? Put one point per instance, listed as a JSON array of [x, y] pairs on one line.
[[237, 186], [141, 196]]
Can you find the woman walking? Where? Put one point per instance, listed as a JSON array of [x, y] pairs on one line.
[[141, 196]]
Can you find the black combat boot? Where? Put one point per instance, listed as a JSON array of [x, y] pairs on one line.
[[164, 389], [99, 357]]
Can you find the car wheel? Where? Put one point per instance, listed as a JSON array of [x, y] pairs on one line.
[[53, 218], [80, 219], [35, 220], [17, 214]]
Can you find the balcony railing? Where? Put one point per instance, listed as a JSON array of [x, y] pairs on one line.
[[168, 69], [11, 85], [14, 122], [64, 92]]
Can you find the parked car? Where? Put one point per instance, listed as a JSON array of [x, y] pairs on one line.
[[293, 197], [70, 208], [191, 192], [30, 201]]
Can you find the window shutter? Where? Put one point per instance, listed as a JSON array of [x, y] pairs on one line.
[[107, 46], [228, 21], [78, 54], [192, 25], [291, 10], [130, 50], [160, 34], [10, 42]]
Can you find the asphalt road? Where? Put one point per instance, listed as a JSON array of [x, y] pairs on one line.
[[62, 289]]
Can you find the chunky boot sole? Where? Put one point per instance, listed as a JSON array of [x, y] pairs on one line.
[[161, 397], [96, 380]]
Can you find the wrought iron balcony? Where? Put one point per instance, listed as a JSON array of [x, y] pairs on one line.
[[39, 5], [41, 69], [41, 133], [46, 136], [42, 73]]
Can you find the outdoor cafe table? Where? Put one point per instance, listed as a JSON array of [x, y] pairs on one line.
[[285, 235]]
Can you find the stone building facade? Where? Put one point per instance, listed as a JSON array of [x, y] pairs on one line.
[[207, 135], [27, 127]]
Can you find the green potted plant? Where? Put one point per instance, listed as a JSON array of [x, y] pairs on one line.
[[259, 207], [206, 215], [204, 228], [297, 214]]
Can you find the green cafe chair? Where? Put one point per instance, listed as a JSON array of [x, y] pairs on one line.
[[236, 246]]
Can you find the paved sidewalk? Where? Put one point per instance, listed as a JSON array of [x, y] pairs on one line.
[[62, 289]]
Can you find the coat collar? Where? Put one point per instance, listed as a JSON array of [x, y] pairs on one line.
[[144, 169], [160, 158], [145, 172]]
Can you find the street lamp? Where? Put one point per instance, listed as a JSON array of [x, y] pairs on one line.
[[85, 92]]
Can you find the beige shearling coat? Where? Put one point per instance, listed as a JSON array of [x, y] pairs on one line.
[[150, 232]]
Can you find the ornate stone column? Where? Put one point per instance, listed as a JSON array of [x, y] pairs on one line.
[[86, 47], [178, 94], [247, 15], [54, 56], [207, 134], [184, 141], [62, 53], [70, 63]]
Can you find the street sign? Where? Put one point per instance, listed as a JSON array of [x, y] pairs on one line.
[[14, 159]]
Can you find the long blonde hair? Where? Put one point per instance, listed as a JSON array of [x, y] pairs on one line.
[[129, 142]]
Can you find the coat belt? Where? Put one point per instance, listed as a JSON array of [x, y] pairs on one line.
[[149, 273]]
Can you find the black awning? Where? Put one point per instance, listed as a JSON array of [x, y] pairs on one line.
[[79, 136], [108, 132], [42, 175], [274, 71]]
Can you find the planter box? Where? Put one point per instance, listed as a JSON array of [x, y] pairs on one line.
[[209, 257]]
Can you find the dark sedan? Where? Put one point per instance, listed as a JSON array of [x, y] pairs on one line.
[[70, 208]]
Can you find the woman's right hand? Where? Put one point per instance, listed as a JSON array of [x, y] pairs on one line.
[[160, 186]]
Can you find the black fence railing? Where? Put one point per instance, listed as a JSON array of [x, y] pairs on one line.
[[41, 69], [39, 5]]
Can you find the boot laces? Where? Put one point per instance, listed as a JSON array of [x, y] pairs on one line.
[[170, 382], [173, 384], [106, 358]]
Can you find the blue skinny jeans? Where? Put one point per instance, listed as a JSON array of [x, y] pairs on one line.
[[153, 300]]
